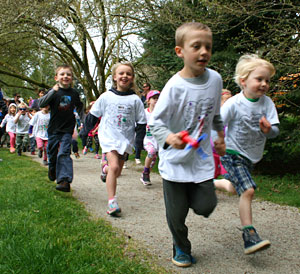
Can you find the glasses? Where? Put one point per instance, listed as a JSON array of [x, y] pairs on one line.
[[145, 86], [22, 108]]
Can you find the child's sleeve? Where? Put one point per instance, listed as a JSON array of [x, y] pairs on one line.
[[141, 123], [226, 112], [46, 99], [272, 117], [4, 121]]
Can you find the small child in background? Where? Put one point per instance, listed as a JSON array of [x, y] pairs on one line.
[[93, 134], [122, 114], [75, 135], [251, 118], [150, 143], [32, 140], [9, 121], [22, 119], [38, 128]]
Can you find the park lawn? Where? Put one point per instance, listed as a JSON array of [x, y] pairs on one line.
[[46, 231], [283, 190]]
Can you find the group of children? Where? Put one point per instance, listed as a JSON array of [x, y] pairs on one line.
[[27, 128], [190, 101]]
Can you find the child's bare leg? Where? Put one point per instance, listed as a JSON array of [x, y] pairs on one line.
[[113, 172], [148, 161], [224, 184], [121, 164], [245, 207]]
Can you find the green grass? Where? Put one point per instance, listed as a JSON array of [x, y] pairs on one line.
[[283, 190], [46, 231]]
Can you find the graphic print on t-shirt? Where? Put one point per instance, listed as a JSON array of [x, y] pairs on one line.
[[249, 135], [195, 114], [120, 116], [65, 102]]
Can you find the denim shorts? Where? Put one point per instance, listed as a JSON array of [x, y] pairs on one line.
[[238, 172]]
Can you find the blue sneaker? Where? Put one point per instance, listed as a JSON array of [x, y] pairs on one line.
[[182, 259], [252, 242], [113, 209]]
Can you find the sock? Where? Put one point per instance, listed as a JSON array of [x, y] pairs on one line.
[[104, 167], [146, 170]]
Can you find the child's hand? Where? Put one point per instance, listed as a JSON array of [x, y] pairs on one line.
[[265, 125], [220, 146], [174, 139], [56, 87]]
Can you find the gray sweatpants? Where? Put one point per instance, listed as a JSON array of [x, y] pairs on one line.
[[179, 197]]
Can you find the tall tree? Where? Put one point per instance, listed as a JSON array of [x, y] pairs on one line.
[[85, 34]]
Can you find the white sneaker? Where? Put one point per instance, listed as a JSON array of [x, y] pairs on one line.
[[125, 166], [138, 161]]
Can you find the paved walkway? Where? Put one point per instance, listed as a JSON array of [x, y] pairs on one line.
[[216, 242]]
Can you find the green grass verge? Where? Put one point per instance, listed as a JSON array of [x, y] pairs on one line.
[[283, 190], [46, 231]]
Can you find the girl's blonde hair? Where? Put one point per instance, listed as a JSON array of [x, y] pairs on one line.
[[22, 104], [113, 73], [248, 63]]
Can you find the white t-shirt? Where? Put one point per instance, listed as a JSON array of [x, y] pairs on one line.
[[119, 115], [183, 105], [149, 138], [242, 117], [22, 125], [40, 122], [9, 120]]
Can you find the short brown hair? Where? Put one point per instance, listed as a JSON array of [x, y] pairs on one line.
[[182, 30], [63, 67]]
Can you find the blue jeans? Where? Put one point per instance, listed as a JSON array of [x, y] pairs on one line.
[[59, 159]]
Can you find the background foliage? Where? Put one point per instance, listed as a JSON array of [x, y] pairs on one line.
[[92, 35]]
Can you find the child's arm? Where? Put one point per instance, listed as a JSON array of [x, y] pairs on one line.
[[219, 143], [140, 130], [4, 121], [17, 117], [88, 125], [45, 100], [270, 131], [175, 140]]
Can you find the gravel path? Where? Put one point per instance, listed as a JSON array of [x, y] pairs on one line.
[[216, 242]]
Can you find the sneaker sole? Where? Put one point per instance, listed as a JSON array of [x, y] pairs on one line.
[[145, 183], [181, 264], [258, 247], [115, 213]]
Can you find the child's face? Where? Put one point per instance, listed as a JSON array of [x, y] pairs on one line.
[[33, 112], [23, 110], [64, 77], [45, 109], [153, 100], [123, 78], [257, 83], [196, 52], [13, 110]]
